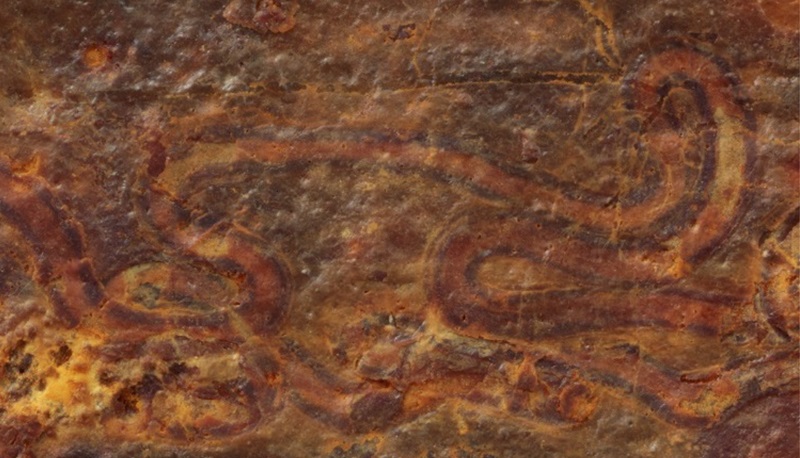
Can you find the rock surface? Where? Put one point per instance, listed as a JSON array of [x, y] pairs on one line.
[[277, 228]]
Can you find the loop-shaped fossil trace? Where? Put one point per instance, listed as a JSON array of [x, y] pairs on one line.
[[225, 293], [598, 253], [625, 258], [156, 317], [220, 306]]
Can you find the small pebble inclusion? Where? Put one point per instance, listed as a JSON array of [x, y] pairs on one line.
[[419, 229]]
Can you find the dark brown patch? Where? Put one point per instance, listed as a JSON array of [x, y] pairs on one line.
[[61, 355], [125, 402], [375, 410]]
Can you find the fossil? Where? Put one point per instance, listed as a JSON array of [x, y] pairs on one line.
[[270, 228]]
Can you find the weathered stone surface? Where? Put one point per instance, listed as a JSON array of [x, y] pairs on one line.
[[414, 229]]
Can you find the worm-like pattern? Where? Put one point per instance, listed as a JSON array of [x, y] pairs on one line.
[[542, 300]]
